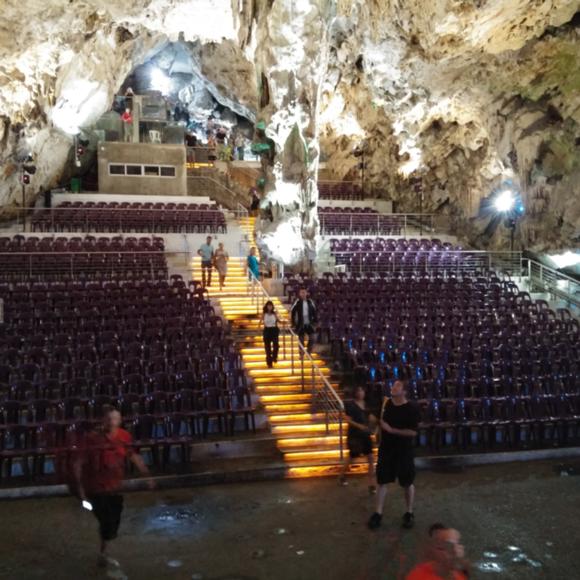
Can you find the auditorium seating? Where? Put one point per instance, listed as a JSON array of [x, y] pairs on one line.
[[155, 349], [382, 256], [489, 367], [359, 221], [89, 258], [340, 190], [130, 217]]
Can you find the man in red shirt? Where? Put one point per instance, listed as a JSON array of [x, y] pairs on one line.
[[127, 119], [100, 471], [445, 559]]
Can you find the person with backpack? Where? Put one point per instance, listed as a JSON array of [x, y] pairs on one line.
[[99, 471]]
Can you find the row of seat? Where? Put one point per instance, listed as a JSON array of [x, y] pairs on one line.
[[340, 190], [57, 244], [129, 220]]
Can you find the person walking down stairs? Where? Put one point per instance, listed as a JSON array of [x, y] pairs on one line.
[[271, 333], [253, 265]]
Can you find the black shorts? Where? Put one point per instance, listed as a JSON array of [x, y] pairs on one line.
[[392, 466], [107, 508], [359, 446]]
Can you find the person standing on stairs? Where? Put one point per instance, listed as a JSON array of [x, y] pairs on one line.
[[304, 316], [271, 333], [358, 438], [206, 252], [399, 421], [253, 265], [221, 258]]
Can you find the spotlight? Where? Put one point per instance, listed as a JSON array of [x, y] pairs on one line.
[[505, 201]]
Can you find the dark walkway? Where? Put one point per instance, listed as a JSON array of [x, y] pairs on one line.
[[520, 521]]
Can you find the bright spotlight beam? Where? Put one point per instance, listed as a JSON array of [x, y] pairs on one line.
[[505, 201]]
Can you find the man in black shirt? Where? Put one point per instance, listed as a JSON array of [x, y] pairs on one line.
[[304, 317], [399, 420]]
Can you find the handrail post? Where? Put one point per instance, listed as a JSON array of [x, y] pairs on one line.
[[292, 350], [340, 434], [302, 368]]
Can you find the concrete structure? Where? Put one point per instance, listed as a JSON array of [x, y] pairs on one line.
[[142, 168]]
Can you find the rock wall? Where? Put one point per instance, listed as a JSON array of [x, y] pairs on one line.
[[462, 94]]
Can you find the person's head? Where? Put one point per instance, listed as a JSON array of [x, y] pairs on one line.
[[208, 240], [221, 245], [111, 420], [127, 110], [446, 548], [302, 293], [252, 251], [399, 390], [359, 393], [269, 307]]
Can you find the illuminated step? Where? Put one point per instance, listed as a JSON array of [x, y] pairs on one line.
[[296, 418], [288, 407], [312, 455], [284, 383], [274, 372], [296, 397], [300, 442], [306, 428], [282, 364], [259, 355], [278, 389]]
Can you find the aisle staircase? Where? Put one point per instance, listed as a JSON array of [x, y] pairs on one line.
[[308, 445]]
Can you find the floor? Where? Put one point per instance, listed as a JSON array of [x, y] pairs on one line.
[[519, 521]]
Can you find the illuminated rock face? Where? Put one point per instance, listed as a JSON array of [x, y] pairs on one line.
[[291, 73], [461, 93]]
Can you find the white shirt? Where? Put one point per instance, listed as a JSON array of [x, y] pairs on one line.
[[269, 320], [305, 313]]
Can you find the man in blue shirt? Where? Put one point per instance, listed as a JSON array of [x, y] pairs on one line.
[[206, 252]]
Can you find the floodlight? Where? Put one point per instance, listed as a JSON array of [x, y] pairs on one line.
[[505, 200]]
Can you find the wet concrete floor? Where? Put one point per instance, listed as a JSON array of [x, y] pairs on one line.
[[519, 521]]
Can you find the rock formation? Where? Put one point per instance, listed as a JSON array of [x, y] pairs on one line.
[[461, 94]]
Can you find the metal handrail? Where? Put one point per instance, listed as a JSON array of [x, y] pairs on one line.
[[374, 223], [215, 182], [241, 211], [332, 404], [550, 280], [361, 261]]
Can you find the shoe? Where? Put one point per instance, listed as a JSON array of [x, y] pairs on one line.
[[372, 489], [342, 481], [408, 520], [375, 521], [270, 365]]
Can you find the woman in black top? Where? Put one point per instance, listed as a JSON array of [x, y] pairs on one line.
[[359, 439], [271, 333]]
